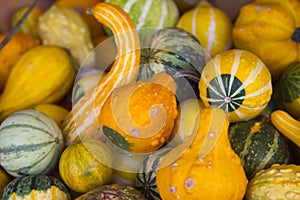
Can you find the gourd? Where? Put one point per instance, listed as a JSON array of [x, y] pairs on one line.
[[64, 27], [146, 176], [54, 111], [206, 169], [49, 66], [33, 187], [30, 143], [29, 26], [276, 182], [5, 178], [238, 82], [270, 30], [80, 6], [113, 191], [287, 90], [177, 52], [86, 165], [211, 26], [259, 145], [12, 51], [145, 13], [139, 117], [82, 122], [287, 125]]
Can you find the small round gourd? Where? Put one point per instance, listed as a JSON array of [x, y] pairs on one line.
[[30, 143], [259, 145], [33, 187], [238, 82]]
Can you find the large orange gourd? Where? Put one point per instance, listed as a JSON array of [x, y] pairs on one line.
[[81, 123], [208, 168]]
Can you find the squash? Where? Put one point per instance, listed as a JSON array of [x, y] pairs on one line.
[[211, 26], [287, 125], [30, 143], [82, 122], [33, 187], [270, 30], [259, 145], [30, 25], [238, 82], [113, 191], [12, 51], [51, 67], [287, 90], [139, 117], [145, 13], [206, 169], [146, 176], [5, 178], [64, 27], [54, 111], [186, 121], [80, 6], [86, 165], [177, 52], [277, 182]]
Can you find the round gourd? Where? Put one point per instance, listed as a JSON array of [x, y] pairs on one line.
[[30, 143], [288, 91], [146, 177], [206, 169], [177, 52], [86, 165], [276, 182], [259, 145], [113, 191], [34, 187], [139, 117], [210, 25], [238, 82], [270, 30], [149, 13]]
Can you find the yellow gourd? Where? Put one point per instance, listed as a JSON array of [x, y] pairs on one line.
[[44, 74], [210, 25], [12, 51], [86, 165], [139, 117], [270, 29], [5, 178], [208, 168], [82, 122]]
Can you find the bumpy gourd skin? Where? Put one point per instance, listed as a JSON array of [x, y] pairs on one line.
[[269, 30], [208, 168], [276, 182]]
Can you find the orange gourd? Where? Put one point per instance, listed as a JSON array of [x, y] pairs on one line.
[[82, 122], [206, 169]]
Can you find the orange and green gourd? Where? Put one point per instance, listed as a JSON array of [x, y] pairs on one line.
[[206, 169], [82, 121], [238, 82], [271, 30]]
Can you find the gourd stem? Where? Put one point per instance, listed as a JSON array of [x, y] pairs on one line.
[[296, 35]]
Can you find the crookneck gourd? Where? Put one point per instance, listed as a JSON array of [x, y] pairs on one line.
[[208, 168], [82, 122]]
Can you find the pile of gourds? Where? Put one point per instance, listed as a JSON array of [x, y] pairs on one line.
[[90, 108]]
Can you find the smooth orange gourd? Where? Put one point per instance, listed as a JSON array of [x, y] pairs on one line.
[[82, 122]]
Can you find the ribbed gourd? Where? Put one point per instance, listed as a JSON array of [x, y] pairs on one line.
[[82, 122], [206, 169], [276, 182], [259, 145], [36, 187], [30, 143], [238, 82]]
